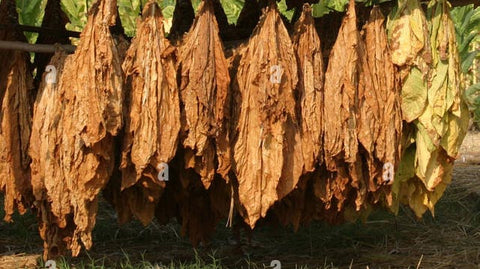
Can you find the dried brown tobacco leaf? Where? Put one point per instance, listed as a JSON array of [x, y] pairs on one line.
[[380, 124], [204, 93], [341, 83], [92, 87], [52, 198], [200, 209], [291, 209], [268, 156], [139, 200], [15, 119], [385, 84], [197, 209], [341, 145], [153, 116], [310, 87]]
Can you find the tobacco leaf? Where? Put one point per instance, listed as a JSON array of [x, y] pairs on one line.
[[310, 88], [425, 169], [380, 124], [410, 45], [153, 112], [15, 119], [450, 115], [267, 151], [52, 198], [341, 144], [413, 191], [91, 86], [201, 210], [293, 208], [197, 209], [341, 83], [204, 92], [445, 117]]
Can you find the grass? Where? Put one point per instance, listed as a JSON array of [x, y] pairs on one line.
[[450, 240]]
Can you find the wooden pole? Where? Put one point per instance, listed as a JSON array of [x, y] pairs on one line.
[[38, 48]]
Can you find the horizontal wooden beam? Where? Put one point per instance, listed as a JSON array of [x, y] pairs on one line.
[[38, 48]]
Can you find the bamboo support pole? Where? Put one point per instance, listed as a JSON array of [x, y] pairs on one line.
[[38, 48]]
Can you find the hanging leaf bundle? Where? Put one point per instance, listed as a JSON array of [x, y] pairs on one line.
[[380, 125], [440, 121], [293, 207], [153, 115], [340, 114], [15, 119], [410, 44], [204, 92], [91, 86], [267, 151], [52, 197], [198, 210], [362, 127], [198, 131], [310, 88]]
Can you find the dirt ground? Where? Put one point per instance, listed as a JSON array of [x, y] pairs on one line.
[[451, 239]]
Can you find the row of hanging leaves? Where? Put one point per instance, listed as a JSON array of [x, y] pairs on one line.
[[267, 130]]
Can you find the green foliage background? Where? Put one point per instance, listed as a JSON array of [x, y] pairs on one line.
[[467, 29], [31, 12]]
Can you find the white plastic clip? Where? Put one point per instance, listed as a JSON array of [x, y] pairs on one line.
[[51, 77], [388, 173], [162, 172]]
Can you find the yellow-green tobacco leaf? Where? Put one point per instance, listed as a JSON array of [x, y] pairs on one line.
[[445, 93], [405, 171], [455, 91], [427, 120], [436, 28], [457, 129], [415, 197], [414, 95], [422, 198], [437, 92], [434, 170], [407, 38], [425, 148]]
